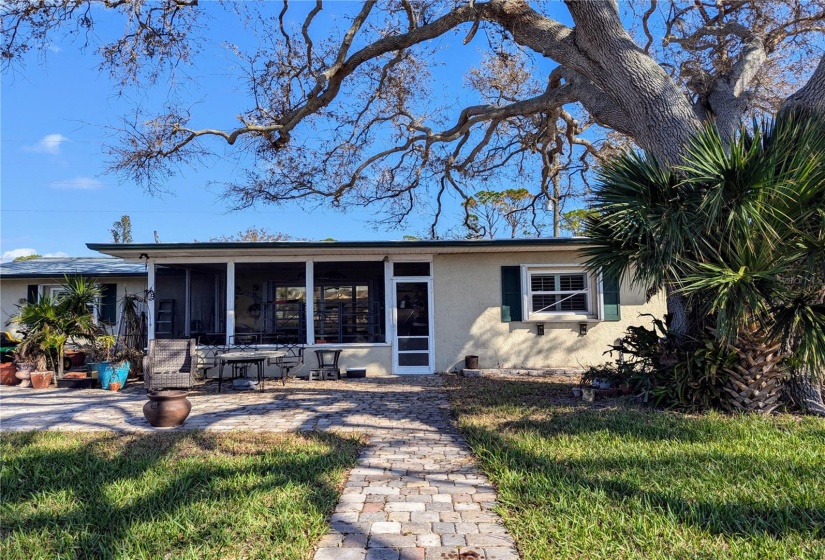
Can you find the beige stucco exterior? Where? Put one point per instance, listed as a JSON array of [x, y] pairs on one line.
[[466, 305], [467, 308], [13, 291]]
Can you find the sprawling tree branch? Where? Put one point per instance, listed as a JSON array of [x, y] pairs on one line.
[[350, 115]]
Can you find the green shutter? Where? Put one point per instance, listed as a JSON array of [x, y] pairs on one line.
[[610, 291], [32, 293], [108, 303], [510, 293]]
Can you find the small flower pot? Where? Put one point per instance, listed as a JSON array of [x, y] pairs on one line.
[[577, 392], [41, 379], [470, 362], [589, 394], [114, 385]]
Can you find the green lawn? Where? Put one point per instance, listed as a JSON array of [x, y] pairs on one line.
[[621, 482], [168, 496]]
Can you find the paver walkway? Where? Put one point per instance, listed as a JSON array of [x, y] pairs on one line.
[[415, 493]]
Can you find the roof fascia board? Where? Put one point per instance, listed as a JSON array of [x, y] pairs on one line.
[[222, 251]]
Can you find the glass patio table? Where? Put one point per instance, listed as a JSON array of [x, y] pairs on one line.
[[238, 358]]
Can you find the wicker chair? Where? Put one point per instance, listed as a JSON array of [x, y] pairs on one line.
[[170, 364]]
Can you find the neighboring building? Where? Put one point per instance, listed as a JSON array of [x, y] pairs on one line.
[[394, 307], [28, 280]]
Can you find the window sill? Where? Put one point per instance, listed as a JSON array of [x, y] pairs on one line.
[[563, 319]]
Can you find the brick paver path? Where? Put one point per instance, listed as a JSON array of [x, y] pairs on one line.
[[415, 492]]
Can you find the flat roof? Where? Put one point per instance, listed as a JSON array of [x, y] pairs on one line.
[[214, 249], [56, 267]]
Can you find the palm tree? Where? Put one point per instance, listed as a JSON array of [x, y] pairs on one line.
[[735, 234], [51, 322]]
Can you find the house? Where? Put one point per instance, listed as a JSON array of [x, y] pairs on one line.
[[29, 280], [395, 307]]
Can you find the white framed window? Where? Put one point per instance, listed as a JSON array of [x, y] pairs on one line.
[[554, 293], [55, 292]]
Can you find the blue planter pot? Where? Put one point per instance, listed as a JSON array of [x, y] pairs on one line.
[[108, 373]]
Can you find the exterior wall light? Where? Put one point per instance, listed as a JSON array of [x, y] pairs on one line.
[[540, 329], [582, 329]]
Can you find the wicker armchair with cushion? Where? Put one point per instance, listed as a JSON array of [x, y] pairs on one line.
[[170, 364]]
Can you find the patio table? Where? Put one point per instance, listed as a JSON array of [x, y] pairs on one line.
[[249, 358]]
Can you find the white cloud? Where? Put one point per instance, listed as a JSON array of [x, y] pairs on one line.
[[78, 183], [54, 48], [49, 144], [60, 254], [14, 253]]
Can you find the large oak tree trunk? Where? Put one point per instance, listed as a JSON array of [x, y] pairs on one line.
[[806, 393]]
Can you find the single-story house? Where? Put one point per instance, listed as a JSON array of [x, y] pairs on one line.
[[394, 307], [28, 280]]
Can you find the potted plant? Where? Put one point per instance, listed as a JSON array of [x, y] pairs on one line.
[[42, 376], [113, 366], [7, 367], [51, 322], [26, 355]]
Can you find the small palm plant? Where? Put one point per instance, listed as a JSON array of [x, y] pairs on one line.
[[51, 322], [735, 235]]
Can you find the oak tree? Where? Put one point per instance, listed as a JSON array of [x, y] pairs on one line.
[[349, 107]]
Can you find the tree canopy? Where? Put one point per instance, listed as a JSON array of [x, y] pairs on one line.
[[346, 102], [122, 230], [253, 234]]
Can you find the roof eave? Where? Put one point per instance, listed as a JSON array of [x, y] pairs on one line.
[[137, 251]]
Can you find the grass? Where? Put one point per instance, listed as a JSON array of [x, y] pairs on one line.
[[169, 496], [621, 482]]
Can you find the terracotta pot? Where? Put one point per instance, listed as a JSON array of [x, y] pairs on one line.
[[166, 409], [7, 371], [114, 385], [41, 379]]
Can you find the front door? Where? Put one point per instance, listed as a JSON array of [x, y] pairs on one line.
[[412, 325]]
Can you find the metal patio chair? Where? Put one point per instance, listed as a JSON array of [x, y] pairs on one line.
[[292, 361]]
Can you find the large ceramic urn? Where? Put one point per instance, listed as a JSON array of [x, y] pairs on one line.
[[167, 409]]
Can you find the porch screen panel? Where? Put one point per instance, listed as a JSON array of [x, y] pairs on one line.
[[270, 302], [207, 303], [349, 302]]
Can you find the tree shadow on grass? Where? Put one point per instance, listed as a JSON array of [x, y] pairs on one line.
[[547, 409], [189, 494], [636, 477]]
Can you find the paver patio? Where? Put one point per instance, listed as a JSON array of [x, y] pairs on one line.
[[415, 493]]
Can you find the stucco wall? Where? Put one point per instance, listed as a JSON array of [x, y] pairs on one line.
[[13, 291], [467, 307]]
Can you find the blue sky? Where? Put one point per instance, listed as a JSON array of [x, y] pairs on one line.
[[56, 117]]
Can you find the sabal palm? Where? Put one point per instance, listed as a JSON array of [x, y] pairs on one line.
[[738, 229]]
